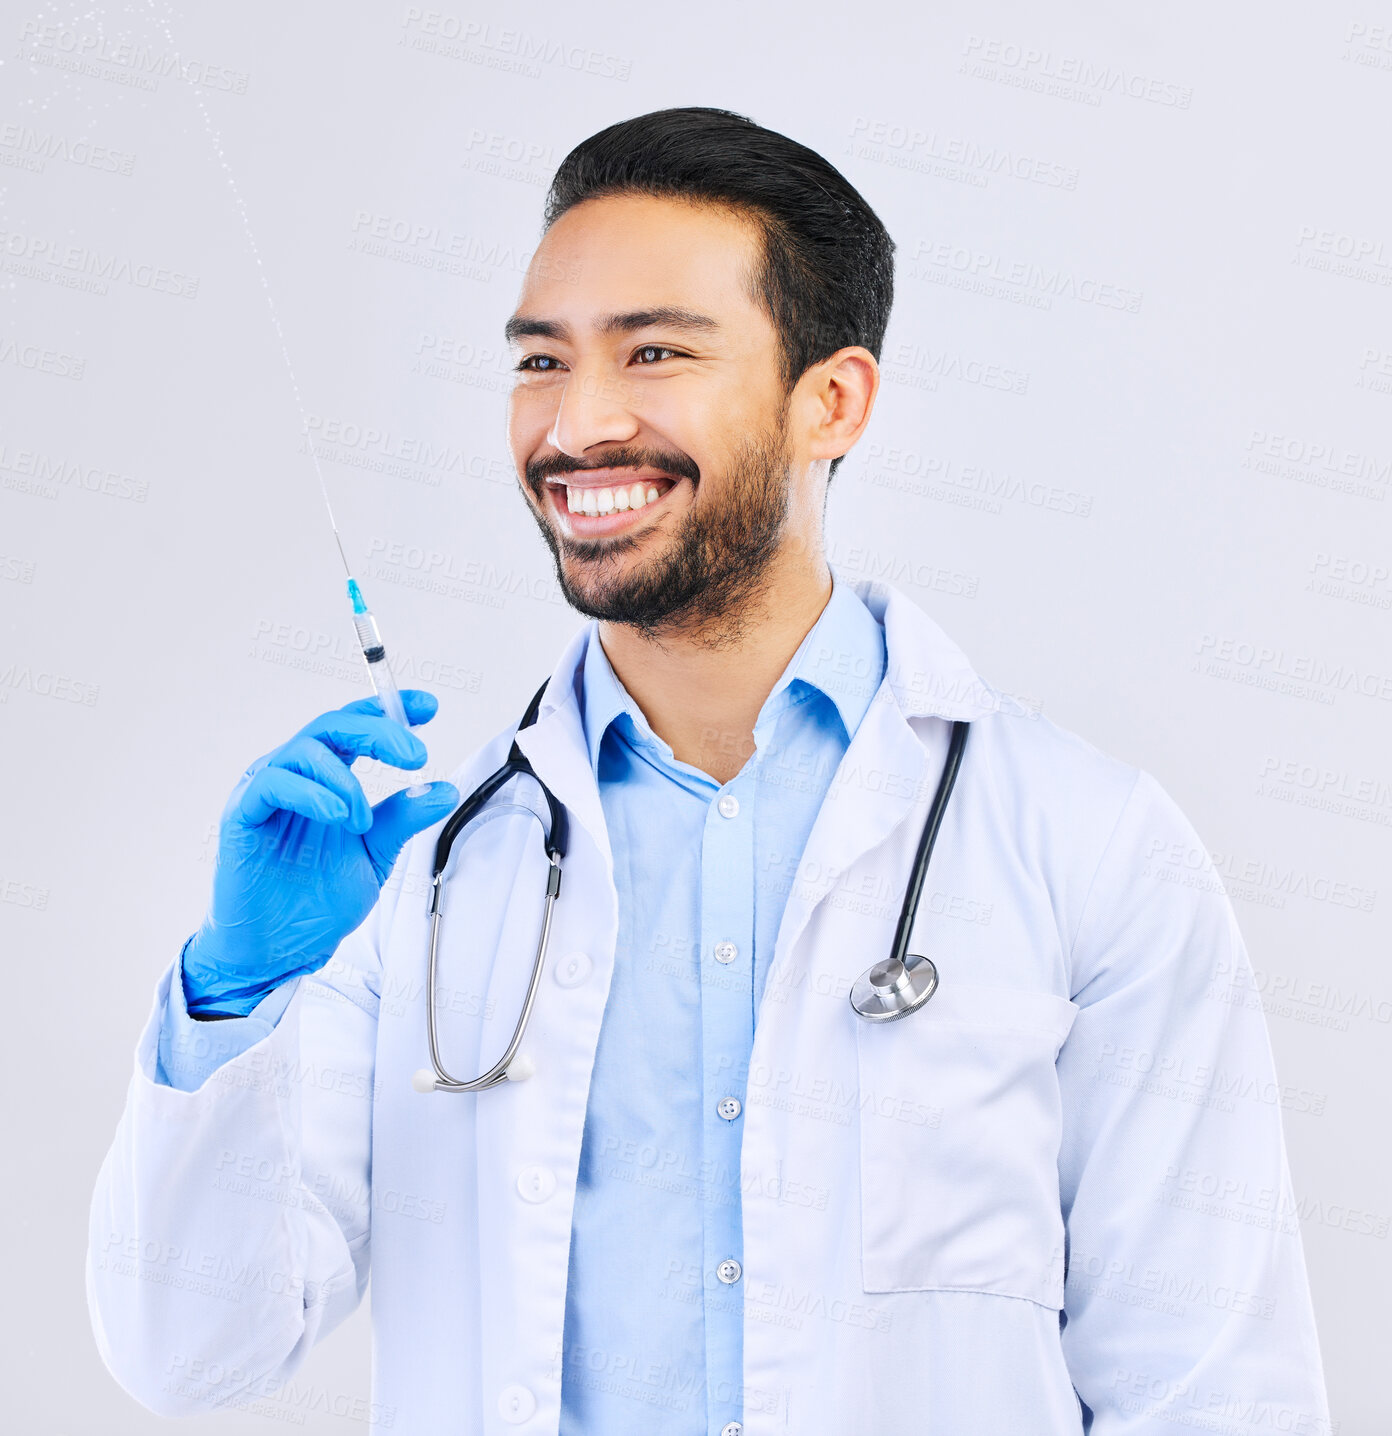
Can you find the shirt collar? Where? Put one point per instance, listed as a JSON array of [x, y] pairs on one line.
[[842, 656], [928, 676]]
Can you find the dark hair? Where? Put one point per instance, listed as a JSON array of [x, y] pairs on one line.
[[826, 274]]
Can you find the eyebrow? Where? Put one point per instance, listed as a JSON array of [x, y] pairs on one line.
[[522, 326]]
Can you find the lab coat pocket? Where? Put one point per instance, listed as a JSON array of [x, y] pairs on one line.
[[959, 1140]]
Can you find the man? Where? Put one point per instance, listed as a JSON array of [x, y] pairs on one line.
[[721, 1202]]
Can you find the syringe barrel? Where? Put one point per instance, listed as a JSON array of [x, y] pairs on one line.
[[387, 693], [369, 638], [389, 697]]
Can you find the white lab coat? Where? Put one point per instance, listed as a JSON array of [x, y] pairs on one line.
[[1090, 1091]]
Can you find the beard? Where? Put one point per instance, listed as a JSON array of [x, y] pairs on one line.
[[711, 568]]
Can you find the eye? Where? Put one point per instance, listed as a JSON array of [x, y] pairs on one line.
[[656, 349], [525, 364]]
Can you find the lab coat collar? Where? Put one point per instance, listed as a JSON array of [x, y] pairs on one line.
[[927, 675]]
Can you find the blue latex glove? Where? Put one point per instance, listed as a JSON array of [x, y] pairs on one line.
[[301, 856]]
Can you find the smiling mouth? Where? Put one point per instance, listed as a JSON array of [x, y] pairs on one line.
[[599, 500]]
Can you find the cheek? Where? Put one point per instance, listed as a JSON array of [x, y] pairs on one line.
[[716, 422], [704, 428], [529, 417]]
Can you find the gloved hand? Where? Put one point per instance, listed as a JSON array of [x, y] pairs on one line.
[[301, 856]]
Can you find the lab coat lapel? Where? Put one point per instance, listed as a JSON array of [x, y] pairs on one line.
[[529, 1134], [885, 773], [871, 793]]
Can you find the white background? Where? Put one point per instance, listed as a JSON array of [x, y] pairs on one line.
[[1133, 452]]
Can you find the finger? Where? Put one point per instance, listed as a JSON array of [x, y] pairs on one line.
[[366, 735], [274, 790], [312, 759], [397, 819], [420, 705]]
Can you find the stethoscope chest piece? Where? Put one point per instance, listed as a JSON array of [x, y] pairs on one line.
[[893, 989]]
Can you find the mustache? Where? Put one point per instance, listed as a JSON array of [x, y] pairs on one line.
[[555, 466]]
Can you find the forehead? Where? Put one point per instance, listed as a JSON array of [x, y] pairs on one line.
[[632, 252]]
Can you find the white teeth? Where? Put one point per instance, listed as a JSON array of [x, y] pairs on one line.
[[608, 501]]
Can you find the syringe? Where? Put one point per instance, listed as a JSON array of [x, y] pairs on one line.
[[379, 670]]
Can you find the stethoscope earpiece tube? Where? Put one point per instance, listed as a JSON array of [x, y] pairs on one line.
[[476, 801]]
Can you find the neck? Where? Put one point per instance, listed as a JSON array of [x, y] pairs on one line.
[[701, 688]]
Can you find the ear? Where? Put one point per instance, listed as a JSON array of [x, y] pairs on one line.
[[841, 395]]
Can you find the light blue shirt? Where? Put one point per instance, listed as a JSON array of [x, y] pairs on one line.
[[655, 1298], [654, 1318]]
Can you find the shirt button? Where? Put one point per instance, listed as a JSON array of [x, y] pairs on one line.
[[728, 805], [731, 1428], [729, 1108], [726, 952], [729, 1271], [536, 1184], [573, 969], [515, 1404]]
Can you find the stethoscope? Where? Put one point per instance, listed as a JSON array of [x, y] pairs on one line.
[[889, 990]]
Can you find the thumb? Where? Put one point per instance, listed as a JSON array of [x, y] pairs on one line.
[[400, 817]]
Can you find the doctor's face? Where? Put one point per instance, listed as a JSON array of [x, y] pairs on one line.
[[648, 418]]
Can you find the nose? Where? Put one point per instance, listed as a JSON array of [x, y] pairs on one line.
[[594, 409]]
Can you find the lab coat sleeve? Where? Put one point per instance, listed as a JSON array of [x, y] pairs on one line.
[[1186, 1296], [229, 1226], [190, 1051]]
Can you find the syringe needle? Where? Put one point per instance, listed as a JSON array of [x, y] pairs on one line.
[[378, 668], [328, 509], [339, 542]]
